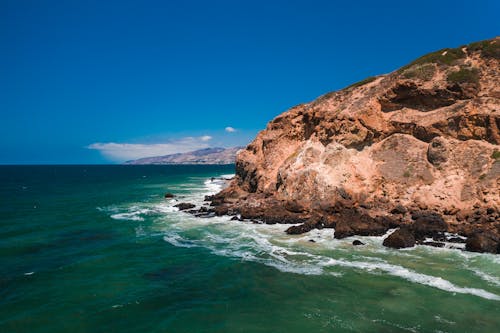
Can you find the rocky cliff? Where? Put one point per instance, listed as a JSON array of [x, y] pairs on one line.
[[417, 148]]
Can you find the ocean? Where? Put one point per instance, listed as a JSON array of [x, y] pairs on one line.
[[99, 249]]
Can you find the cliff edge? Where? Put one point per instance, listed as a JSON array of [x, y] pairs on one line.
[[417, 149]]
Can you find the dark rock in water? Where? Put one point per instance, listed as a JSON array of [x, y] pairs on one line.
[[456, 240], [185, 205], [206, 215], [312, 241], [357, 242], [439, 237], [482, 242], [169, 196], [314, 222], [235, 218], [299, 229], [435, 244], [400, 238], [203, 210]]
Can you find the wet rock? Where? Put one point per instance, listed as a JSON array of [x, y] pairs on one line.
[[184, 205], [483, 242], [312, 241], [400, 238], [427, 224], [299, 229], [455, 240], [203, 212], [357, 242], [271, 211], [169, 195], [434, 244], [352, 222]]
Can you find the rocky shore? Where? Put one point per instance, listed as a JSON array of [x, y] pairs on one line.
[[416, 150]]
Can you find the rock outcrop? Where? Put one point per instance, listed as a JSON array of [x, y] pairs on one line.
[[417, 148]]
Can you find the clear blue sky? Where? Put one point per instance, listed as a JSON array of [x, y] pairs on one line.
[[102, 81]]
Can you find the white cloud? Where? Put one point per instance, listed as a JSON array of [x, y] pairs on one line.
[[206, 138], [230, 129], [120, 152]]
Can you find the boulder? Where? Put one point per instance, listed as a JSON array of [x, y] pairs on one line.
[[400, 238], [483, 242], [299, 229], [428, 224]]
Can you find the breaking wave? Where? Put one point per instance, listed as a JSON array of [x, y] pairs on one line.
[[314, 253]]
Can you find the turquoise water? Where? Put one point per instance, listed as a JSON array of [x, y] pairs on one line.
[[98, 249]]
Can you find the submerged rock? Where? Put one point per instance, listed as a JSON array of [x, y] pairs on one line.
[[357, 242], [185, 205]]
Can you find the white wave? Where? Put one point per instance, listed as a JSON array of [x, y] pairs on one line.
[[256, 246], [127, 216], [269, 245], [177, 240], [420, 278], [487, 277]]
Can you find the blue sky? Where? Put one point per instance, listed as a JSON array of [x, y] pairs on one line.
[[103, 81]]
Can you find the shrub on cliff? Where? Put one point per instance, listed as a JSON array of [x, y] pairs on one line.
[[464, 75]]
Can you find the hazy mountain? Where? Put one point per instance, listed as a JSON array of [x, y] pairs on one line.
[[201, 156]]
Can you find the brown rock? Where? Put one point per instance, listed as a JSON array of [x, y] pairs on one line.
[[482, 242], [427, 224], [417, 138], [299, 229], [400, 238]]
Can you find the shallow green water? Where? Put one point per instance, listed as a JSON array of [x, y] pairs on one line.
[[98, 249]]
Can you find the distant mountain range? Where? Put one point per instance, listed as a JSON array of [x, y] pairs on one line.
[[201, 156]]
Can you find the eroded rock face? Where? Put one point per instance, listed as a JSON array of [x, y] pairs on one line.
[[423, 138]]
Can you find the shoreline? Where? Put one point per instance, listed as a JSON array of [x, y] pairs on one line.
[[412, 225]]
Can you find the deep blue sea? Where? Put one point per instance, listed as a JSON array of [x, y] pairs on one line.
[[99, 249]]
